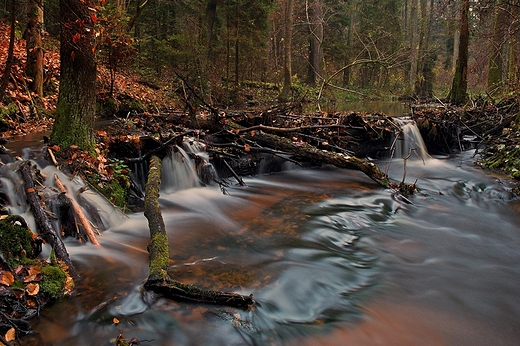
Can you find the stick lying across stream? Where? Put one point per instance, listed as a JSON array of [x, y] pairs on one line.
[[159, 280]]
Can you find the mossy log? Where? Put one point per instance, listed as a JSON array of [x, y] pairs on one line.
[[45, 226], [159, 280], [306, 152]]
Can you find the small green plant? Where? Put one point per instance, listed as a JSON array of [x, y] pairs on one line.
[[114, 186]]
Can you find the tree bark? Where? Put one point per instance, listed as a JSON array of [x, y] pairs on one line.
[[34, 45], [459, 86], [47, 230], [159, 280], [287, 69], [211, 17], [74, 116], [315, 22]]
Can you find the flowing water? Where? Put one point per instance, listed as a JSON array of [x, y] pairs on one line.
[[330, 257]]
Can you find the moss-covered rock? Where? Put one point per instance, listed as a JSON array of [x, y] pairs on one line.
[[53, 281], [16, 241]]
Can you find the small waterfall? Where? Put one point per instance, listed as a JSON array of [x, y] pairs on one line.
[[178, 171], [409, 141], [187, 167], [95, 207]]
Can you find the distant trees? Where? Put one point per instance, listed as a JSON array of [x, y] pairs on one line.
[[406, 47]]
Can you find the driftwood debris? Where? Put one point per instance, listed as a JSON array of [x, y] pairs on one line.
[[79, 213], [46, 228], [159, 280]]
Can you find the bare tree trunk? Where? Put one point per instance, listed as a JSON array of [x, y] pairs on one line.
[[414, 44], [34, 45], [315, 22], [347, 72], [459, 86], [287, 71], [211, 17], [10, 54]]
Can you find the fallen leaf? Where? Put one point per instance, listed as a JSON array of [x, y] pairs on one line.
[[33, 270], [247, 148], [6, 278], [10, 335], [32, 289], [115, 320]]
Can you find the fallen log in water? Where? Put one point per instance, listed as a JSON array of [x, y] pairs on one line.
[[79, 213], [308, 152], [159, 280], [44, 224]]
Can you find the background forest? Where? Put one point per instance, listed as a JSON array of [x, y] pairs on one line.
[[389, 48]]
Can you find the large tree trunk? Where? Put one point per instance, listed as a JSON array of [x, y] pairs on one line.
[[74, 117], [159, 280], [34, 45], [287, 70], [460, 79]]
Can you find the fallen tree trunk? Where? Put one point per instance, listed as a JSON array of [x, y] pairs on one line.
[[44, 224], [310, 153], [79, 213], [159, 280]]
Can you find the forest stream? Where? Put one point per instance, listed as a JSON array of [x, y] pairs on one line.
[[330, 257]]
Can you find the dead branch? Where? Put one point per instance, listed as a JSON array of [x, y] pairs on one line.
[[289, 129]]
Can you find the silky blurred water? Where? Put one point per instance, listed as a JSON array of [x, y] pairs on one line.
[[330, 257]]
